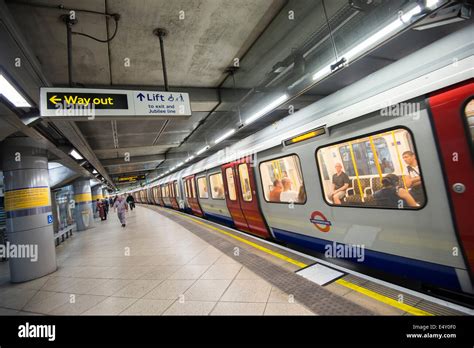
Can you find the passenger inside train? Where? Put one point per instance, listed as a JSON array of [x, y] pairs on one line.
[[282, 180], [377, 170]]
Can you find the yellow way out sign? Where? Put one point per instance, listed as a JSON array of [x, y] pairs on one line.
[[77, 103]]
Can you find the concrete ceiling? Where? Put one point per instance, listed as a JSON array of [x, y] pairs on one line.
[[199, 50]]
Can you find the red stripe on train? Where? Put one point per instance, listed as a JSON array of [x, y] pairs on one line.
[[447, 108]]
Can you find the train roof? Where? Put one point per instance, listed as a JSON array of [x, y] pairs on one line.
[[445, 62]]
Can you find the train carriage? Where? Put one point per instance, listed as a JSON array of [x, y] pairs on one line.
[[387, 168]]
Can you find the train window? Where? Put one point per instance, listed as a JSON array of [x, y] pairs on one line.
[[193, 189], [217, 186], [282, 180], [364, 154], [353, 182], [186, 188], [202, 188], [229, 174], [176, 189], [163, 193], [245, 182], [469, 114]]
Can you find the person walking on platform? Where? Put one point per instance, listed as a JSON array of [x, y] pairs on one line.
[[121, 207], [131, 201], [101, 209], [105, 201]]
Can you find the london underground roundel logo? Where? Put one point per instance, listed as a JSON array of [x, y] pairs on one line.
[[320, 222]]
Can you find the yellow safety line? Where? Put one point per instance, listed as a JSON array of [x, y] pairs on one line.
[[382, 298], [352, 286], [399, 158], [356, 172], [255, 245], [376, 158]]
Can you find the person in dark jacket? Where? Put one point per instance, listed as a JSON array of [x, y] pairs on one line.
[[131, 201], [393, 196]]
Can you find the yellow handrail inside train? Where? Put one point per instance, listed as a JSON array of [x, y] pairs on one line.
[[399, 159], [356, 171], [376, 158]]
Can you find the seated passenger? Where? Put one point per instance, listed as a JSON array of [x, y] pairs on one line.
[[393, 196], [340, 184], [412, 176], [301, 195], [218, 192], [276, 190], [288, 195]]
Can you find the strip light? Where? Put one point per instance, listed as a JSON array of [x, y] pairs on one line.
[[205, 148], [11, 93], [372, 40], [224, 136], [266, 109], [76, 155], [189, 158]]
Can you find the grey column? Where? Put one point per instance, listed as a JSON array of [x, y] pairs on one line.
[[83, 213], [96, 194], [28, 208]]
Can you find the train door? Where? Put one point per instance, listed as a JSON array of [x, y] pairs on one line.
[[242, 199], [174, 195], [192, 197], [177, 194], [232, 197], [452, 113], [158, 195]]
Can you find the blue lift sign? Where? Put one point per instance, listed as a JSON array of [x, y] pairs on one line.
[[50, 219]]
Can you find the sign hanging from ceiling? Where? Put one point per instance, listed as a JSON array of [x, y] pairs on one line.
[[130, 178], [86, 103]]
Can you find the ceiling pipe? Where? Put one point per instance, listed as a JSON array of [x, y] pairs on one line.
[[69, 23]]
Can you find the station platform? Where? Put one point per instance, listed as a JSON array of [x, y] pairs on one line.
[[169, 263]]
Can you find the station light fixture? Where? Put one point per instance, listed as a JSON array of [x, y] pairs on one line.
[[11, 93], [205, 148], [224, 136], [94, 171], [266, 109], [76, 155], [189, 159], [374, 39], [431, 4]]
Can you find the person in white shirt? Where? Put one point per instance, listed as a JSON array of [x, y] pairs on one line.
[[413, 177], [288, 195]]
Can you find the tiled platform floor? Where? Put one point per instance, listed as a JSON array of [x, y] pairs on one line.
[[154, 266]]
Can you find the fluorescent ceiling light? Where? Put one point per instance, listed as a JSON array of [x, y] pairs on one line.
[[322, 73], [179, 164], [266, 109], [431, 3], [414, 11], [189, 158], [10, 92], [76, 155], [94, 171], [372, 40], [205, 148], [224, 136]]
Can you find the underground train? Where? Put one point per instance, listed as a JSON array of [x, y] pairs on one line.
[[396, 178]]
